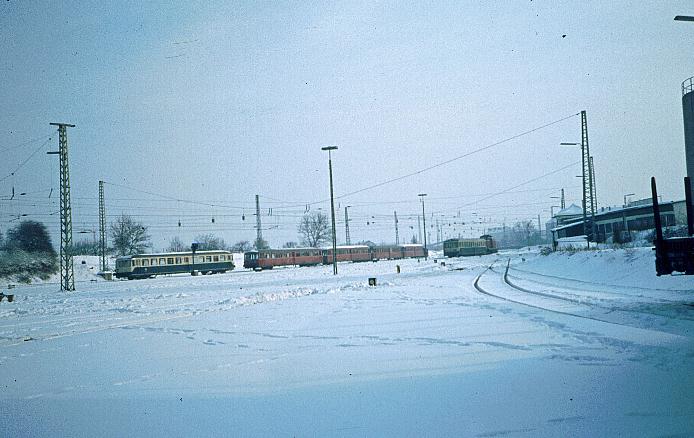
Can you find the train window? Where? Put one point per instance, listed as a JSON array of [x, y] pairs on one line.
[[145, 262], [162, 261], [170, 260], [208, 258], [216, 258], [132, 262], [186, 260], [153, 262]]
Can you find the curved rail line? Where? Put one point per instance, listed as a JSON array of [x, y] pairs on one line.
[[560, 312], [650, 289], [583, 302]]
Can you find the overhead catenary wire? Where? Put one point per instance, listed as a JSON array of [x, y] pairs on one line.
[[23, 163]]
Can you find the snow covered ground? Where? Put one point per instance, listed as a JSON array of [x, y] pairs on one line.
[[584, 344]]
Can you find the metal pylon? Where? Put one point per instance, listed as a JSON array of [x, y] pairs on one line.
[[347, 239], [258, 225], [397, 236], [67, 273], [587, 176], [594, 191], [102, 228]]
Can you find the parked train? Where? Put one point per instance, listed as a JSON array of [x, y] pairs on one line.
[[150, 265], [469, 247], [269, 258]]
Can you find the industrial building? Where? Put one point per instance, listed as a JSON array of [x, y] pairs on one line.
[[637, 216]]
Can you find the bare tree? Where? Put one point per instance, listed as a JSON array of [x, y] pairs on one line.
[[242, 246], [176, 245], [260, 243], [314, 229], [524, 230], [129, 236], [208, 242]]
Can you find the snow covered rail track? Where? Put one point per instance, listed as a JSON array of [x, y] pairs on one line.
[[600, 284], [667, 317], [654, 308], [560, 312]]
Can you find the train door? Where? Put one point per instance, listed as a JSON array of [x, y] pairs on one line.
[[325, 257]]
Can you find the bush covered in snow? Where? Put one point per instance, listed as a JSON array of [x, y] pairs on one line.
[[27, 252], [25, 265]]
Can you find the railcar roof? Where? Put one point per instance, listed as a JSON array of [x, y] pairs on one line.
[[174, 254]]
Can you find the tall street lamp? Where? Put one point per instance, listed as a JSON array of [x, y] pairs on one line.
[[625, 198], [332, 203], [424, 222]]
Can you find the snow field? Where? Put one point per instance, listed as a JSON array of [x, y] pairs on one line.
[[298, 351]]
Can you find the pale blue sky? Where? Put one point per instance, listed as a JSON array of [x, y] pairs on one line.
[[218, 101]]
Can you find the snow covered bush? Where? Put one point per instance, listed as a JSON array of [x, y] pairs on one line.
[[21, 263]]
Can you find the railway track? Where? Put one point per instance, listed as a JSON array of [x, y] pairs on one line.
[[601, 285], [590, 306], [481, 290]]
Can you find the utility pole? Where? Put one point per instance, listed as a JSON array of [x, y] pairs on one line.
[[419, 229], [332, 203], [258, 225], [347, 241], [397, 236], [102, 228], [594, 184], [424, 223], [563, 203], [539, 227], [67, 273]]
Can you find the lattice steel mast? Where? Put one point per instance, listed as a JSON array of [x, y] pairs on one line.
[[67, 273], [347, 240], [102, 228], [397, 236], [587, 176], [258, 225]]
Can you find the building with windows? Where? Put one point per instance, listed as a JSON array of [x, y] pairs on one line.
[[621, 222]]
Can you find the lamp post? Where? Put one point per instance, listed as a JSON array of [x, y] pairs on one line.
[[332, 204], [424, 222], [625, 198], [625, 227]]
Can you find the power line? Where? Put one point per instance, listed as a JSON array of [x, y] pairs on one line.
[[514, 187], [24, 143], [467, 154], [26, 160]]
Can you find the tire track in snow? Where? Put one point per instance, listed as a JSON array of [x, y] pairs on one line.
[[221, 306]]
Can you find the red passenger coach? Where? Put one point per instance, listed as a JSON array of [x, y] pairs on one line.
[[269, 258]]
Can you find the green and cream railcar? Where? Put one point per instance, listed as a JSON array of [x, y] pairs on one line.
[[469, 247], [150, 265]]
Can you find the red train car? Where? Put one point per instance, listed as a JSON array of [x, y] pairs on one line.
[[269, 258]]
